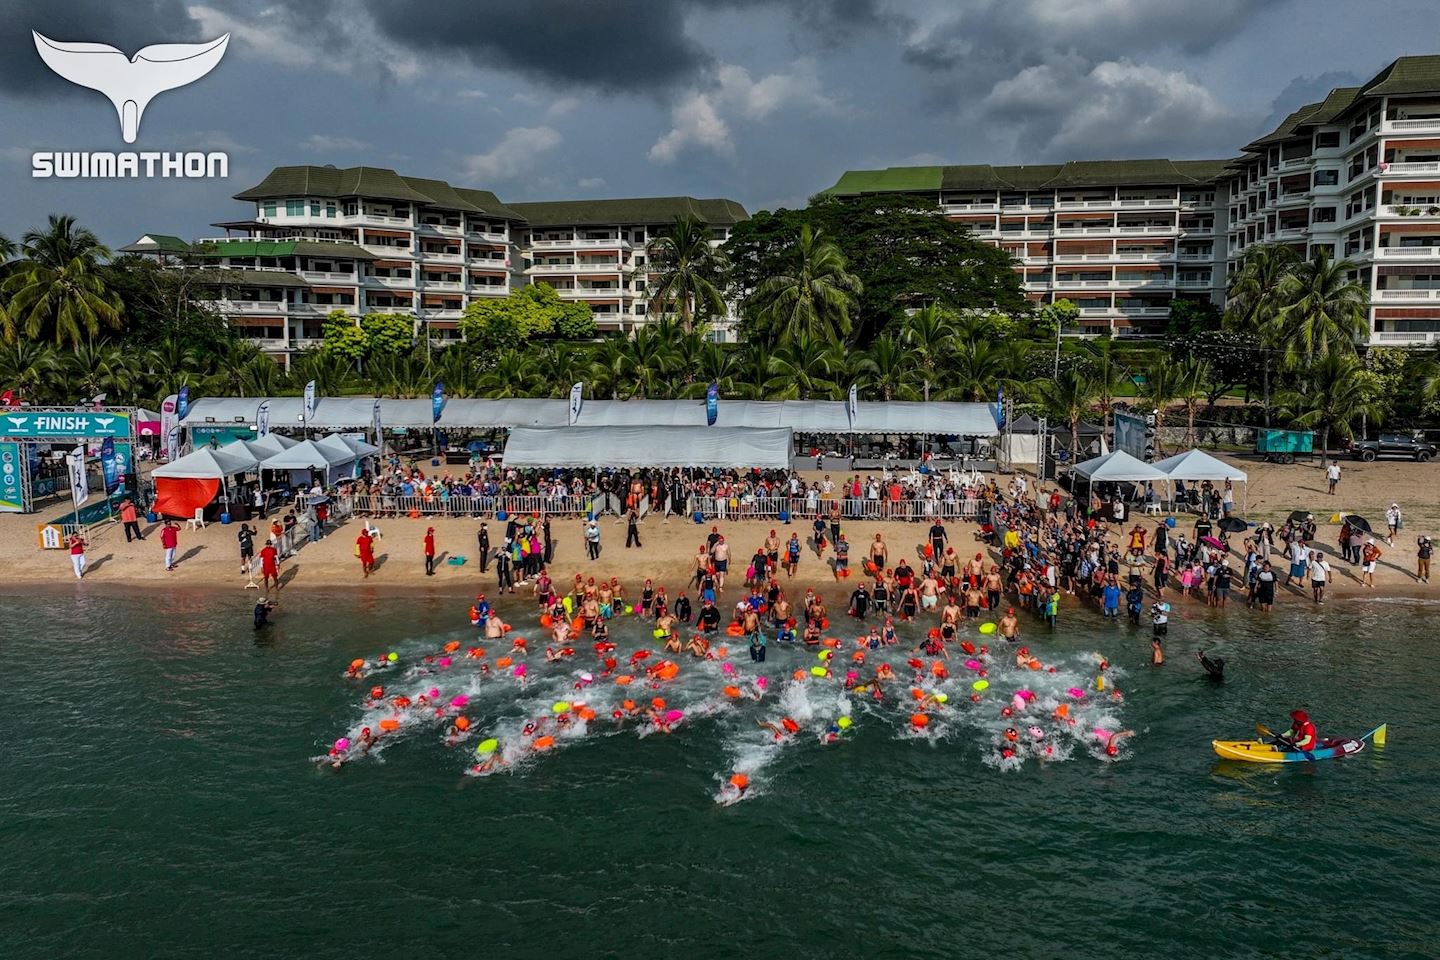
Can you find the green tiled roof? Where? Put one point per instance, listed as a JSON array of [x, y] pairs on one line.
[[253, 278], [558, 213], [1040, 176], [1286, 128], [157, 243], [311, 181], [441, 193], [1406, 75], [487, 203], [1335, 104], [282, 248]]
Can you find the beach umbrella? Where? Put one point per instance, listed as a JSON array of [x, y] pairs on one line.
[[1212, 542], [1299, 516], [1357, 522], [1233, 525]]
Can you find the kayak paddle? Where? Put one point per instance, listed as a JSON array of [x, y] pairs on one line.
[[1264, 731]]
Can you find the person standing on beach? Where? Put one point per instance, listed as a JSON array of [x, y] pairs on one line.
[[482, 540], [246, 538], [720, 556], [77, 554], [632, 528], [365, 550], [170, 541], [592, 540], [270, 566], [1319, 575], [287, 544], [1369, 554], [549, 551], [1395, 521], [429, 551], [130, 517], [1332, 474], [1423, 550]]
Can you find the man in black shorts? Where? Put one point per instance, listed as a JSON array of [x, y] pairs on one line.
[[246, 536]]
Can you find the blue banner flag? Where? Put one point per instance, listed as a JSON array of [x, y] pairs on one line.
[[108, 465], [184, 401], [437, 402], [1000, 408], [712, 404]]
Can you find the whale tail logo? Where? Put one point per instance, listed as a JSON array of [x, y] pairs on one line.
[[131, 84]]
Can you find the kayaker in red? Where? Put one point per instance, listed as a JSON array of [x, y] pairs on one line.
[[1301, 735]]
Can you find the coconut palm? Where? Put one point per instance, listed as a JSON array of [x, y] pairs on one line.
[[101, 367], [456, 368], [802, 369], [59, 291], [1331, 397], [931, 334], [1324, 311], [508, 377], [689, 269], [1191, 388], [719, 365], [814, 296], [1255, 298], [888, 369], [1162, 387], [31, 369], [646, 361], [607, 364], [7, 249], [331, 374], [1068, 397], [976, 367]]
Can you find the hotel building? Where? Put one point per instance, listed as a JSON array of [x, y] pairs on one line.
[[1358, 174], [1120, 239], [366, 239]]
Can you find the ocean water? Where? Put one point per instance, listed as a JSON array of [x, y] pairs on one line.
[[160, 794]]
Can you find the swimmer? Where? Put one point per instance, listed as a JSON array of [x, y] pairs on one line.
[[263, 609], [1157, 654], [1112, 741], [673, 644], [783, 730], [1214, 669]]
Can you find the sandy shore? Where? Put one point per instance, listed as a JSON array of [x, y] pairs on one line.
[[209, 558]]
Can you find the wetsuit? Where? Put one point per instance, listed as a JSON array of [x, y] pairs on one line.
[[1215, 669]]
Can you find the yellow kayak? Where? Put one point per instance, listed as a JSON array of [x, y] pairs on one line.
[[1258, 751]]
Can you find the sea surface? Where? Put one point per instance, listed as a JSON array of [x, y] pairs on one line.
[[160, 794]]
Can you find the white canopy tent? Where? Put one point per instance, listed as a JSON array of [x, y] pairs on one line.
[[309, 455], [1117, 466], [1197, 465], [638, 446], [270, 444], [207, 464]]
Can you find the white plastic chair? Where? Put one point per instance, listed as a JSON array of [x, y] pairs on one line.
[[198, 521]]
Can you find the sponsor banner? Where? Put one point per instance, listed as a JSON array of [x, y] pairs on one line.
[[80, 426], [12, 478]]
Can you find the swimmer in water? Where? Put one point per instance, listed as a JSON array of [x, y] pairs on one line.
[[1214, 669], [673, 644], [263, 609], [1112, 741], [783, 730]]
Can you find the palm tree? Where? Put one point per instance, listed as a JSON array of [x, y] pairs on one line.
[[646, 361], [331, 374], [978, 366], [60, 291], [1255, 298], [607, 363], [508, 377], [887, 368], [103, 368], [1191, 379], [931, 333], [31, 369], [1324, 311], [1332, 397], [800, 369], [813, 297], [689, 269], [7, 249], [1069, 396], [1107, 378], [1162, 386]]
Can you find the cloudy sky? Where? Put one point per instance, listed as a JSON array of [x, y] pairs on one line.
[[762, 101]]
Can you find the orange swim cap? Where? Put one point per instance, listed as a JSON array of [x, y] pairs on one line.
[[919, 720], [544, 743], [462, 723], [739, 781], [658, 703], [624, 680], [504, 662], [628, 704], [731, 691], [357, 663]]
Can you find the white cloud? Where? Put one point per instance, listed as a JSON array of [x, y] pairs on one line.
[[562, 106], [269, 34], [332, 143], [513, 155], [699, 119], [588, 183], [1066, 105], [471, 94]]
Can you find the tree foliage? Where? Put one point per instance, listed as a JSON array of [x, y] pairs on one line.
[[529, 314]]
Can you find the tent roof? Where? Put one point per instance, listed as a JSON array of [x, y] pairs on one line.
[[648, 446], [207, 464], [270, 444], [1028, 424], [807, 416], [307, 454], [1199, 465], [1117, 465], [356, 448]]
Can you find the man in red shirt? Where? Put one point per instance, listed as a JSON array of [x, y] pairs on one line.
[[365, 550], [77, 555], [429, 551], [270, 565], [170, 540]]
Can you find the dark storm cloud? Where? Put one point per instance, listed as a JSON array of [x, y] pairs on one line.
[[127, 26], [628, 45], [1303, 90]]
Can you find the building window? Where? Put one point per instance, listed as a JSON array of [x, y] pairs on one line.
[[1322, 215], [1327, 178], [294, 208], [330, 209], [269, 208], [1327, 139], [314, 208]]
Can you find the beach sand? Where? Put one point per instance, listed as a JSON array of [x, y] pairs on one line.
[[209, 558]]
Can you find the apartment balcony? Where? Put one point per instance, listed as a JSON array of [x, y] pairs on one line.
[[1406, 168], [574, 244], [1295, 163], [1071, 258], [1117, 230], [1037, 286], [489, 263], [375, 308], [1198, 230], [429, 257], [1190, 283], [993, 207], [552, 268], [320, 309], [247, 308], [374, 220], [328, 276], [391, 283], [1026, 208], [1415, 338], [1034, 233], [386, 252], [594, 293], [1289, 201], [267, 344], [1423, 125], [489, 290], [1288, 233], [439, 286], [1393, 210], [480, 236], [1408, 296], [439, 313], [306, 343], [1407, 253], [1191, 257], [442, 229], [1131, 204], [1147, 311]]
